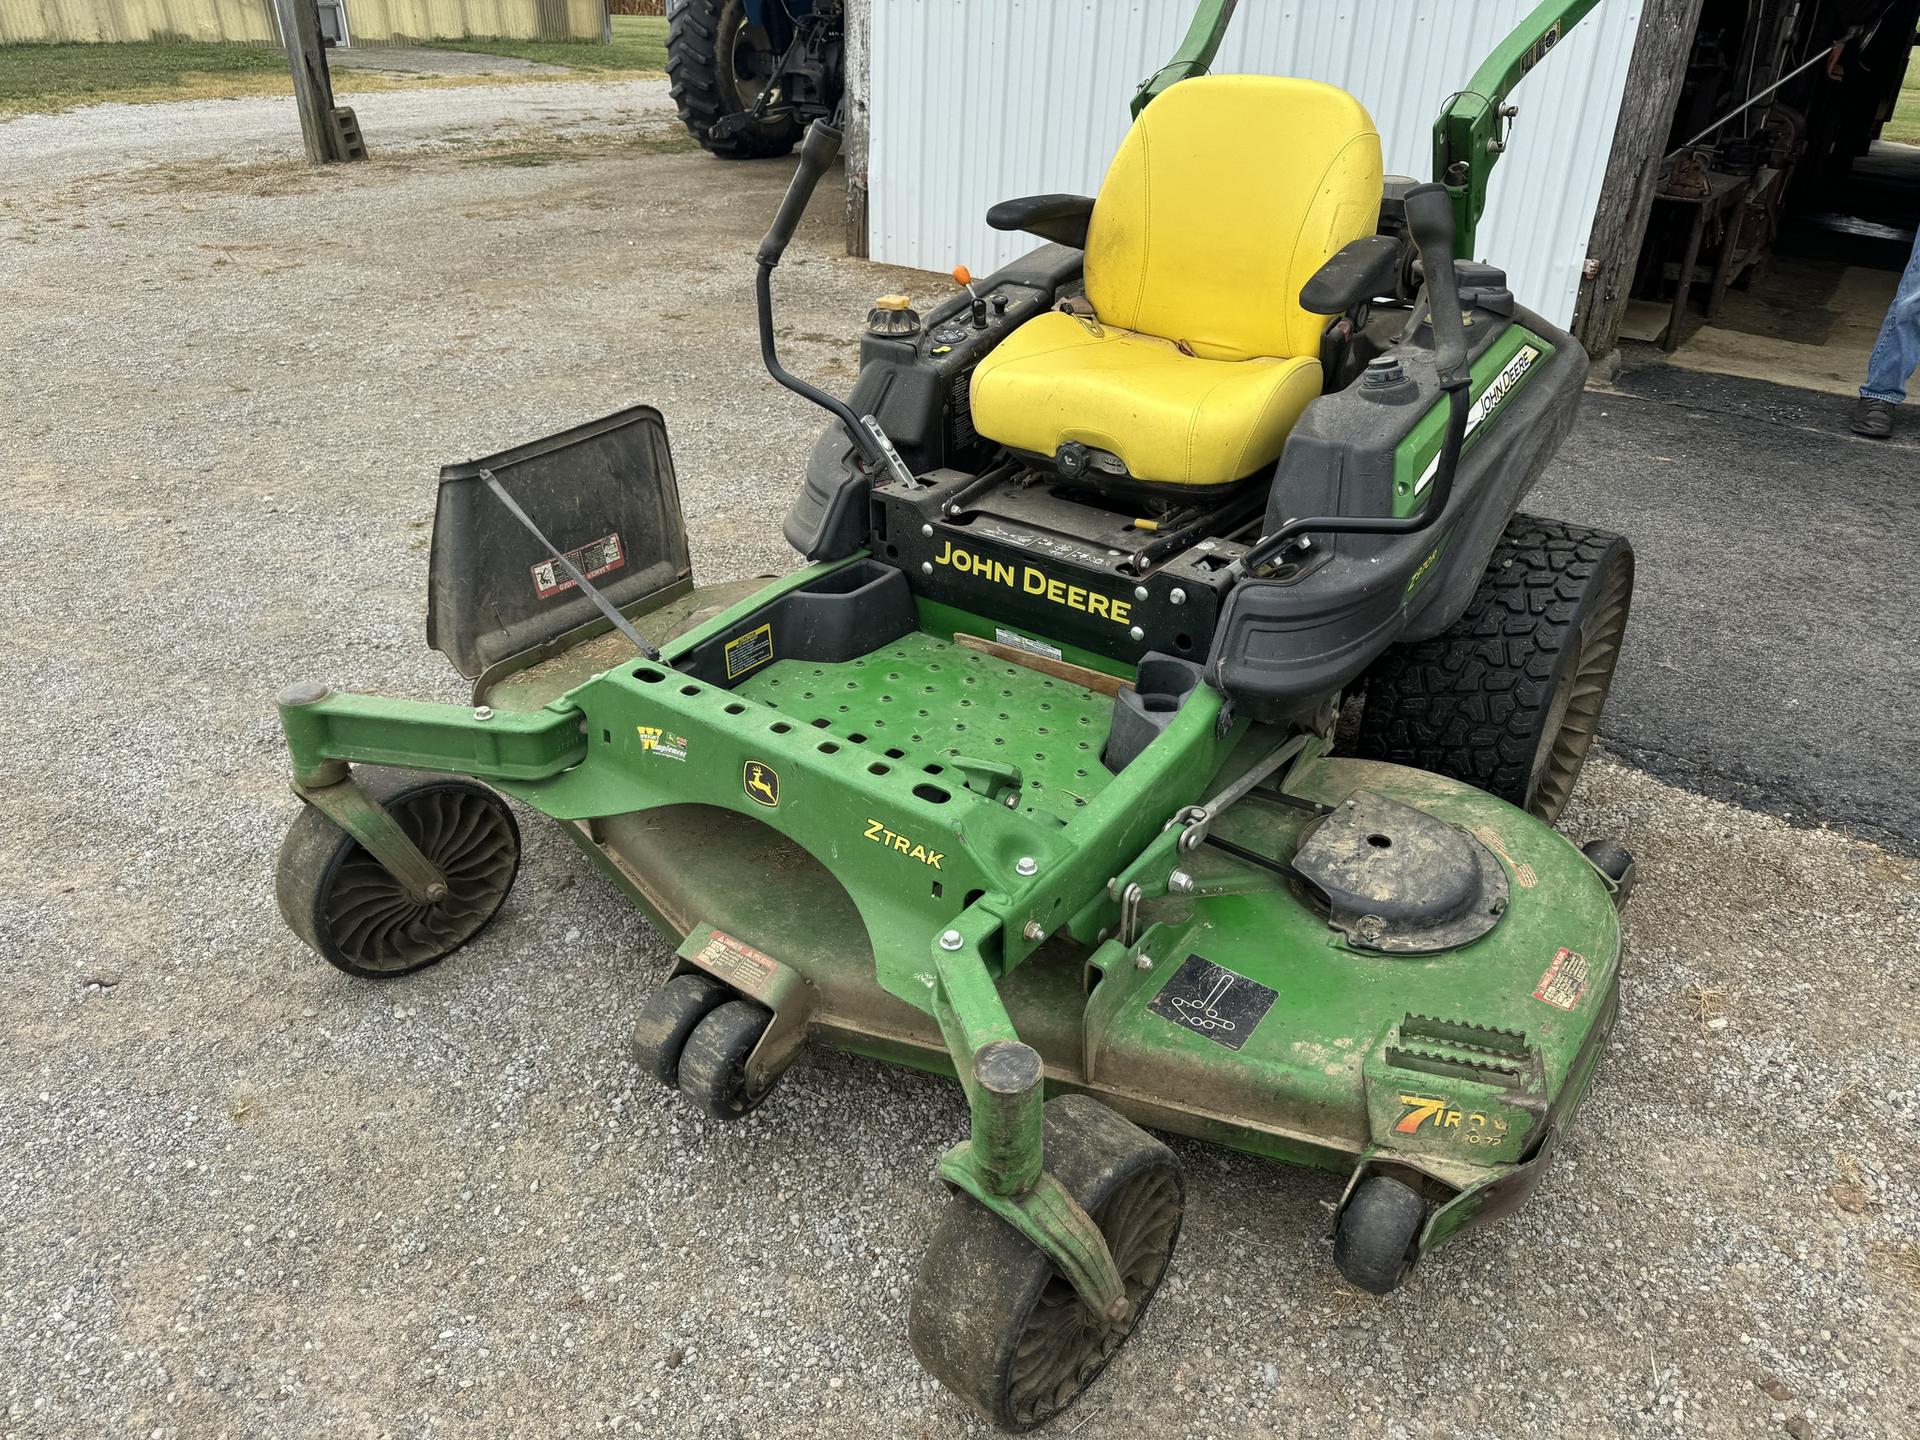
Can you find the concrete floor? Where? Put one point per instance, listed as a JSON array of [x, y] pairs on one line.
[[1810, 317], [1808, 324]]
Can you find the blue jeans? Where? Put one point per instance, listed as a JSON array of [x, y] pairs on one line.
[[1896, 354]]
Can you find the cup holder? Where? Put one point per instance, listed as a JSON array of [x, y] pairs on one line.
[[1160, 687]]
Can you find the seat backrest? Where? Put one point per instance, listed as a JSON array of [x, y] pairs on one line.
[[1225, 197]]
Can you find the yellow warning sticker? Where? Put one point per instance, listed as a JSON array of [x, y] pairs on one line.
[[750, 651]]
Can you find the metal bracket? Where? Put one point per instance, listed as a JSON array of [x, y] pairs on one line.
[[895, 465], [1199, 819], [1130, 913], [1056, 1224], [994, 777], [379, 834], [765, 981]]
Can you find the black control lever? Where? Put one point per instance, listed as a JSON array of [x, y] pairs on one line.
[[1430, 223], [817, 152]]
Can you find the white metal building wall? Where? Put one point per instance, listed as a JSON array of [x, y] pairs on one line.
[[974, 101]]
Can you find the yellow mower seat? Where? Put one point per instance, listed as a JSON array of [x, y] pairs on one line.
[[1227, 194]]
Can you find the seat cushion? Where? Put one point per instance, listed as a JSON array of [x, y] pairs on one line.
[[1173, 418], [1227, 194]]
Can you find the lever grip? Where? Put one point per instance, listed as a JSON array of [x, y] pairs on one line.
[[1430, 223], [817, 152]]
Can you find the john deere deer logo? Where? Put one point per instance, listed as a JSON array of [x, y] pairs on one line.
[[760, 783]]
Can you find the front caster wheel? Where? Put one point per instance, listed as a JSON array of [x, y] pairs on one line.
[[343, 903], [713, 1063], [991, 1318], [1374, 1241], [667, 1017]]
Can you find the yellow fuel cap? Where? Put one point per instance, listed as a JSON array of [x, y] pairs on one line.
[[892, 302]]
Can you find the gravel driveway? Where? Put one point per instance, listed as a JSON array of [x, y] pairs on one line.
[[245, 1196]]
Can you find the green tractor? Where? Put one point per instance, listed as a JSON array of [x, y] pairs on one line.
[[747, 75], [1036, 773]]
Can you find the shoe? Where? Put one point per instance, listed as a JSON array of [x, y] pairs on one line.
[[1873, 418]]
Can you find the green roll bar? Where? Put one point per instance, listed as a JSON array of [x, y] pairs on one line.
[[1469, 135]]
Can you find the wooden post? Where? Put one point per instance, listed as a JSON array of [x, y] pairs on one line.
[[853, 150], [1654, 74], [312, 87]]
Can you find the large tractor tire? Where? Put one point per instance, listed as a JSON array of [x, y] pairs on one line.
[[717, 64], [1509, 696]]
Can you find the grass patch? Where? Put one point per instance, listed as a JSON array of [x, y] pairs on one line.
[[639, 46], [48, 78], [58, 77], [1904, 126]]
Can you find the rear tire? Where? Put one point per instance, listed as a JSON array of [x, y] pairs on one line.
[[1509, 696], [711, 72]]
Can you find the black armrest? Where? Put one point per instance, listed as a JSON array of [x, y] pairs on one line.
[[1059, 218], [1364, 268]]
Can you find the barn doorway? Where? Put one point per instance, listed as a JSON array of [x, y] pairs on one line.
[[1789, 195]]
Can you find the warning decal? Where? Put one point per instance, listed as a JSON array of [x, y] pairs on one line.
[[737, 963], [1214, 1002], [750, 651], [591, 560], [1024, 642], [1565, 981]]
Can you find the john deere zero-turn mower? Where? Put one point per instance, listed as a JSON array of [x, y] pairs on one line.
[[1036, 773]]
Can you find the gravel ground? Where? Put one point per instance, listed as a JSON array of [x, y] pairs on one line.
[[420, 60], [246, 1196], [41, 153]]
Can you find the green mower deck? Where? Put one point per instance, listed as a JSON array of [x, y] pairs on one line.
[[1454, 1070]]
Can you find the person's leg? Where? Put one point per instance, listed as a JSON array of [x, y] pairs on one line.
[[1896, 354]]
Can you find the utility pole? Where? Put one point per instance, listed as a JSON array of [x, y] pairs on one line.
[[331, 132]]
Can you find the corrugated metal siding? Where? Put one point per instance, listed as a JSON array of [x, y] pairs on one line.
[[247, 22], [369, 22], [978, 102]]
